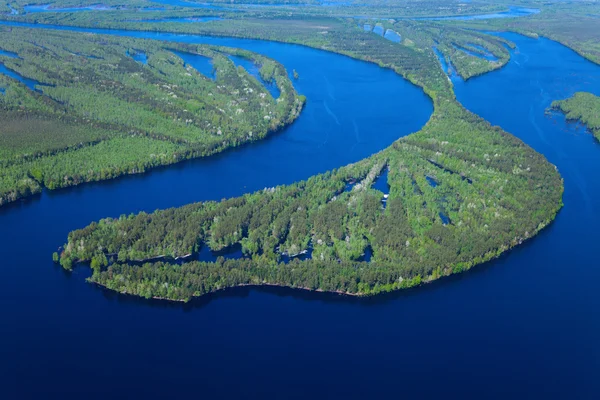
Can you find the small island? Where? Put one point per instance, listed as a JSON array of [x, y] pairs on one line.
[[81, 108], [584, 107]]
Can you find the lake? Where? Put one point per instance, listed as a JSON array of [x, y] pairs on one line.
[[522, 326]]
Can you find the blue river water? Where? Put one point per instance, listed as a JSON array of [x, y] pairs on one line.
[[200, 63], [31, 9], [512, 12], [483, 52], [524, 326], [182, 20], [354, 109], [392, 36], [254, 70]]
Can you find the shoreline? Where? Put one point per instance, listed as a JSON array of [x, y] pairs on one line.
[[446, 273]]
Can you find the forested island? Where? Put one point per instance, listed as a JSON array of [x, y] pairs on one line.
[[459, 192], [79, 108], [455, 194], [584, 107]]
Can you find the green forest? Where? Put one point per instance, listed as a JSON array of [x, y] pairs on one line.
[[491, 193], [461, 192], [462, 48], [573, 24], [81, 108], [584, 107]]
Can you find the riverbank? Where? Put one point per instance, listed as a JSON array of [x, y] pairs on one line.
[[583, 107], [85, 122]]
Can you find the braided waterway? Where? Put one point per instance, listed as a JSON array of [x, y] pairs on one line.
[[524, 325]]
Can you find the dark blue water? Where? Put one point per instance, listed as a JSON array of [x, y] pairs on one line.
[[68, 336], [254, 70], [512, 12], [432, 182], [525, 326], [304, 255], [378, 29], [381, 182], [441, 59], [32, 84], [447, 66], [183, 3], [541, 301], [185, 20], [392, 36], [444, 218], [9, 54], [200, 63], [205, 254]]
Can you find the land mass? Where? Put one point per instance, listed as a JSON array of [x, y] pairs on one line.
[[584, 107], [458, 193]]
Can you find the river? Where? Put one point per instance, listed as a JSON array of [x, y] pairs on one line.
[[522, 326]]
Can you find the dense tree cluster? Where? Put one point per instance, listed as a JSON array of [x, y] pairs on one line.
[[95, 113], [491, 192], [467, 53], [584, 107], [493, 189]]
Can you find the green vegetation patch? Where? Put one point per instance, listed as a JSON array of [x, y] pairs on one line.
[[491, 192], [44, 135], [573, 25], [584, 107], [92, 107]]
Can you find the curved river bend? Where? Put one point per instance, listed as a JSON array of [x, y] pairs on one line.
[[526, 327]]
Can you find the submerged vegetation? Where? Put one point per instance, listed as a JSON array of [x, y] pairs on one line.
[[584, 107], [79, 108], [491, 192]]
